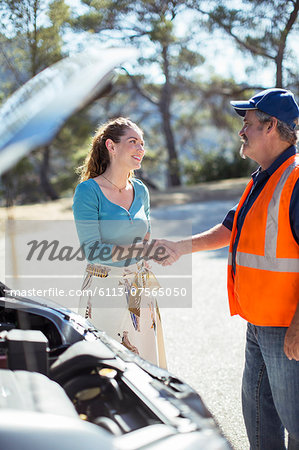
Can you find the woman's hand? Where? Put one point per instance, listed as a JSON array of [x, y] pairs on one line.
[[166, 252], [162, 251]]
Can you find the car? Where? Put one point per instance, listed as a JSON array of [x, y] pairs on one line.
[[63, 383], [131, 402]]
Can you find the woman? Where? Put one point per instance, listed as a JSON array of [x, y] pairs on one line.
[[111, 210]]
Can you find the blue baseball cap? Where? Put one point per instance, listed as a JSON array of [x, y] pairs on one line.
[[278, 103]]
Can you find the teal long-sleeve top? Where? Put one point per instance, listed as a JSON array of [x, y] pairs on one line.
[[102, 224]]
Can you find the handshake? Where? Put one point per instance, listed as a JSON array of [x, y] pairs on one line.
[[162, 251]]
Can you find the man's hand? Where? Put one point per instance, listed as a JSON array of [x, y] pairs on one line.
[[291, 342]]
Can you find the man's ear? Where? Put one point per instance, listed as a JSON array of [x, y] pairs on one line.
[[272, 125]]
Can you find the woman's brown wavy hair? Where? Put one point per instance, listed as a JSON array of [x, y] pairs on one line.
[[98, 159]]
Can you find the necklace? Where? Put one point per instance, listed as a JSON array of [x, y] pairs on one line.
[[119, 189]]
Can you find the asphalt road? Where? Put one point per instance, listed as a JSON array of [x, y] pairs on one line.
[[204, 345]]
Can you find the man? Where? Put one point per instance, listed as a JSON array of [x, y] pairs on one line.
[[263, 267]]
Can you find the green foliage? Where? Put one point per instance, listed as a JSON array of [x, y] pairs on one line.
[[59, 14], [91, 22], [187, 60], [167, 95], [20, 184], [32, 30], [102, 15], [69, 149], [216, 165], [161, 31]]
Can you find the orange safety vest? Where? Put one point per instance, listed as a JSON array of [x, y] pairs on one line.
[[265, 287]]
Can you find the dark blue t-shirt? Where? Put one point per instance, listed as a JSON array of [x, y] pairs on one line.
[[260, 178]]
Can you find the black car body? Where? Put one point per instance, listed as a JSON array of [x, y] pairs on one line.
[[130, 402]]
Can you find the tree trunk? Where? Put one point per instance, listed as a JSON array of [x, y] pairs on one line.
[[44, 175], [164, 106], [7, 180], [282, 44], [279, 60], [173, 163]]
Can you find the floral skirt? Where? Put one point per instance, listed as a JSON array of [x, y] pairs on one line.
[[121, 302]]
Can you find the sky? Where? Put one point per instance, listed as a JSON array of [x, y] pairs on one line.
[[221, 55]]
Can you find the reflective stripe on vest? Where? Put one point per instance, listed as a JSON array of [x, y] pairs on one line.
[[269, 261], [272, 215], [272, 264]]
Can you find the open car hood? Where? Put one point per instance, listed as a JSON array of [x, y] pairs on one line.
[[34, 114]]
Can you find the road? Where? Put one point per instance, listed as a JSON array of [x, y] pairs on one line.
[[204, 345]]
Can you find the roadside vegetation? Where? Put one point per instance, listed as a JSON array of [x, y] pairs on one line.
[[176, 89]]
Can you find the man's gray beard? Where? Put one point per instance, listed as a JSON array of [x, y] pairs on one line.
[[242, 152]]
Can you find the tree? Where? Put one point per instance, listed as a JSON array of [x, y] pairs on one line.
[[151, 26], [258, 27], [31, 40]]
